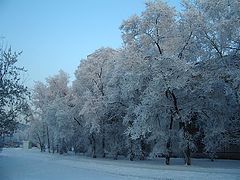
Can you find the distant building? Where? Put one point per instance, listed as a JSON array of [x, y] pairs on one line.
[[27, 145]]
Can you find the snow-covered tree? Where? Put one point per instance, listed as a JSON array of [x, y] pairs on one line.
[[153, 31], [13, 93], [214, 27], [173, 88], [51, 101], [214, 91], [158, 113], [91, 80]]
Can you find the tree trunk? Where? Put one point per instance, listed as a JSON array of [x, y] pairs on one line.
[[167, 159], [63, 147], [53, 146], [142, 149], [40, 143], [93, 147], [103, 146], [1, 141], [103, 142], [171, 96], [168, 152], [53, 149], [132, 155], [57, 148], [187, 155], [168, 145], [212, 156], [116, 156], [48, 140]]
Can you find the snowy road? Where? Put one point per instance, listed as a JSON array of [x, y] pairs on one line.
[[19, 164]]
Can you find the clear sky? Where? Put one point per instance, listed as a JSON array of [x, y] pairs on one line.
[[57, 34]]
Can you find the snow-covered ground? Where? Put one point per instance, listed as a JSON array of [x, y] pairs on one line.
[[19, 164]]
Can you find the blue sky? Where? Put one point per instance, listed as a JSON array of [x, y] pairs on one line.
[[57, 34]]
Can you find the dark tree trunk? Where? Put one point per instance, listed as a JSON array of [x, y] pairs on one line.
[[48, 140], [93, 146], [168, 152], [132, 155], [53, 146], [116, 156], [103, 146], [168, 145], [174, 111], [187, 155], [57, 148], [142, 149], [167, 159], [103, 142], [212, 156], [40, 143], [63, 147]]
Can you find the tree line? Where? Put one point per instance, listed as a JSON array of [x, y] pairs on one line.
[[172, 89]]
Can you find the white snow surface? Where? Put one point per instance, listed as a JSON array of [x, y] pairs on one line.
[[20, 164]]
